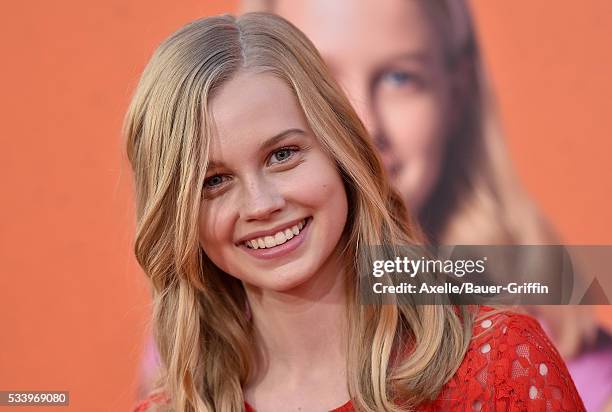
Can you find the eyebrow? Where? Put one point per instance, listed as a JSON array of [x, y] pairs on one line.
[[272, 141], [279, 137]]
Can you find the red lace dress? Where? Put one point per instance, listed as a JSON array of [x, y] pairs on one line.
[[511, 367]]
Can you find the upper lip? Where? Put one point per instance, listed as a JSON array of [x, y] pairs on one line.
[[270, 232]]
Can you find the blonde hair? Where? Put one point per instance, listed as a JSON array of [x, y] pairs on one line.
[[202, 328]]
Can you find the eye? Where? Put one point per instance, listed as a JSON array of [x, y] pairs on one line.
[[215, 181], [399, 78], [282, 155]]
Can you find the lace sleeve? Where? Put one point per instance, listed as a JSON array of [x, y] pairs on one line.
[[511, 365]]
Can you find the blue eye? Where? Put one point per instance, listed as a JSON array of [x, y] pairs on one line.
[[398, 78], [214, 181], [282, 155]]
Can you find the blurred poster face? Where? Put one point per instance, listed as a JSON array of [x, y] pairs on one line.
[[390, 61]]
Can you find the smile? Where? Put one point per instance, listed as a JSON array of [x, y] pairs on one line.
[[279, 243], [280, 237]]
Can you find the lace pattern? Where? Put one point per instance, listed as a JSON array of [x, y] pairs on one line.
[[510, 366]]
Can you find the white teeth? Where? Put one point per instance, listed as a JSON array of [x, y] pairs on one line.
[[277, 239], [280, 238], [269, 241]]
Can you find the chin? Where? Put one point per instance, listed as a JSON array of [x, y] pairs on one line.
[[278, 282], [288, 284]]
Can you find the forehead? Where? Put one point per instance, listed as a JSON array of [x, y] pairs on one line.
[[361, 28], [250, 108]]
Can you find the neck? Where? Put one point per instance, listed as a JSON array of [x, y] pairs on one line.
[[302, 329]]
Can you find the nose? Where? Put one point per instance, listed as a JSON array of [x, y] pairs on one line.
[[361, 96], [365, 105], [261, 199], [367, 115]]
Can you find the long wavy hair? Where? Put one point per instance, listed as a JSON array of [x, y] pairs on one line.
[[201, 323]]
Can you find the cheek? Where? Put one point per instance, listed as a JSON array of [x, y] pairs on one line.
[[215, 229], [415, 127], [318, 188], [333, 205], [319, 184]]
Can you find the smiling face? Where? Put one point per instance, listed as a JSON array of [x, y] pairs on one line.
[[274, 206], [389, 59]]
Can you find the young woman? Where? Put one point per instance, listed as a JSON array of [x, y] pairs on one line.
[[258, 193]]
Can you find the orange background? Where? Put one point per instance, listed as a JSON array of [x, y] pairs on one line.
[[73, 304]]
